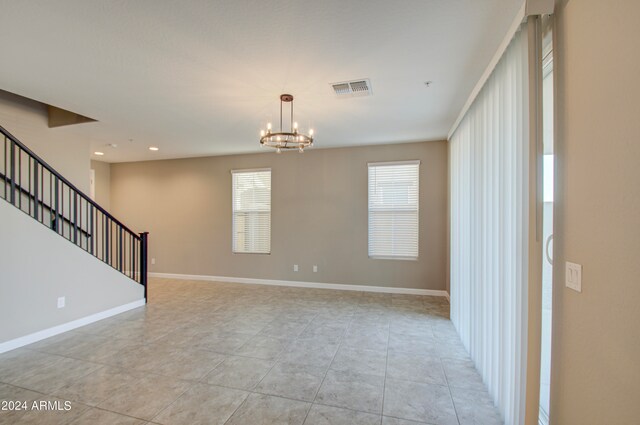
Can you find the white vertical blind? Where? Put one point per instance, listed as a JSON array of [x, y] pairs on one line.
[[251, 211], [393, 209], [489, 172]]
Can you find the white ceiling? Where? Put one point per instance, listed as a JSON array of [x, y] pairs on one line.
[[201, 77]]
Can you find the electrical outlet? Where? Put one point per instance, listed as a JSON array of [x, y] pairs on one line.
[[61, 302], [295, 267], [153, 260], [573, 276], [315, 269]]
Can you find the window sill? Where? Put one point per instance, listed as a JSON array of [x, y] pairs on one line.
[[376, 257]]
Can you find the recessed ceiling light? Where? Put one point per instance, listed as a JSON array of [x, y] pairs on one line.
[[98, 153], [154, 148]]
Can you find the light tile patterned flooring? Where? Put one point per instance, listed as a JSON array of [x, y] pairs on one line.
[[205, 353]]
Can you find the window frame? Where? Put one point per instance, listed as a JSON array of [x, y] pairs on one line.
[[370, 165], [234, 211]]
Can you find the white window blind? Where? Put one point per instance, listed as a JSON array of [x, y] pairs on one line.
[[251, 211], [393, 209], [489, 171]]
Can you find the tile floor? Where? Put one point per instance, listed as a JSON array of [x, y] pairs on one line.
[[204, 353]]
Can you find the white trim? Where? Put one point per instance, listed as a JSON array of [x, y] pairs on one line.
[[487, 72], [298, 284], [384, 164], [249, 170], [46, 333], [392, 257]]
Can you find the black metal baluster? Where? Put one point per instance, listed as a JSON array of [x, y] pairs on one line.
[[62, 204], [80, 220], [29, 175], [20, 179], [4, 170], [12, 148], [98, 235], [135, 259], [41, 195], [143, 262], [92, 233], [130, 266], [70, 211], [106, 239], [86, 224], [52, 216], [103, 231], [57, 204], [112, 257], [120, 245], [35, 190], [75, 218]]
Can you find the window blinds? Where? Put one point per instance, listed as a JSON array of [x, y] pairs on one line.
[[251, 211], [489, 178], [393, 209]]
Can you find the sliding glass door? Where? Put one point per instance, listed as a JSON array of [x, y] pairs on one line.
[[547, 225]]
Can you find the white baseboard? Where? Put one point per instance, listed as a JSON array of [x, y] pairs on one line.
[[46, 333], [298, 284]]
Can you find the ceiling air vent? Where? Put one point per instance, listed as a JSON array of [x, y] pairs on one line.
[[352, 88]]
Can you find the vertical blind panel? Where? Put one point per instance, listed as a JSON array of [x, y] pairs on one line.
[[489, 229], [393, 209], [252, 211]]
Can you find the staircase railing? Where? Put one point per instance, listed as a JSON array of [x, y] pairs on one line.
[[33, 186]]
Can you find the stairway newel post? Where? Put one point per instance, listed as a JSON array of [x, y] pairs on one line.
[[143, 261]]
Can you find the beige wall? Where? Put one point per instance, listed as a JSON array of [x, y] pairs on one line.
[[596, 340], [102, 183], [66, 152], [319, 215]]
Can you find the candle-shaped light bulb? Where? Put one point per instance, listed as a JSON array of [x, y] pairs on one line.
[[268, 126], [301, 149], [261, 133], [278, 149], [311, 132], [295, 127]]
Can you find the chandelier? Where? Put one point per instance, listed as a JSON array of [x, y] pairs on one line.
[[292, 139]]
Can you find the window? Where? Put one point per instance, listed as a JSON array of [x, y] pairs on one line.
[[393, 210], [251, 205]]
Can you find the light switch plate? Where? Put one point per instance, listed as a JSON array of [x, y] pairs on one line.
[[61, 302], [573, 276], [295, 267], [315, 269]]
